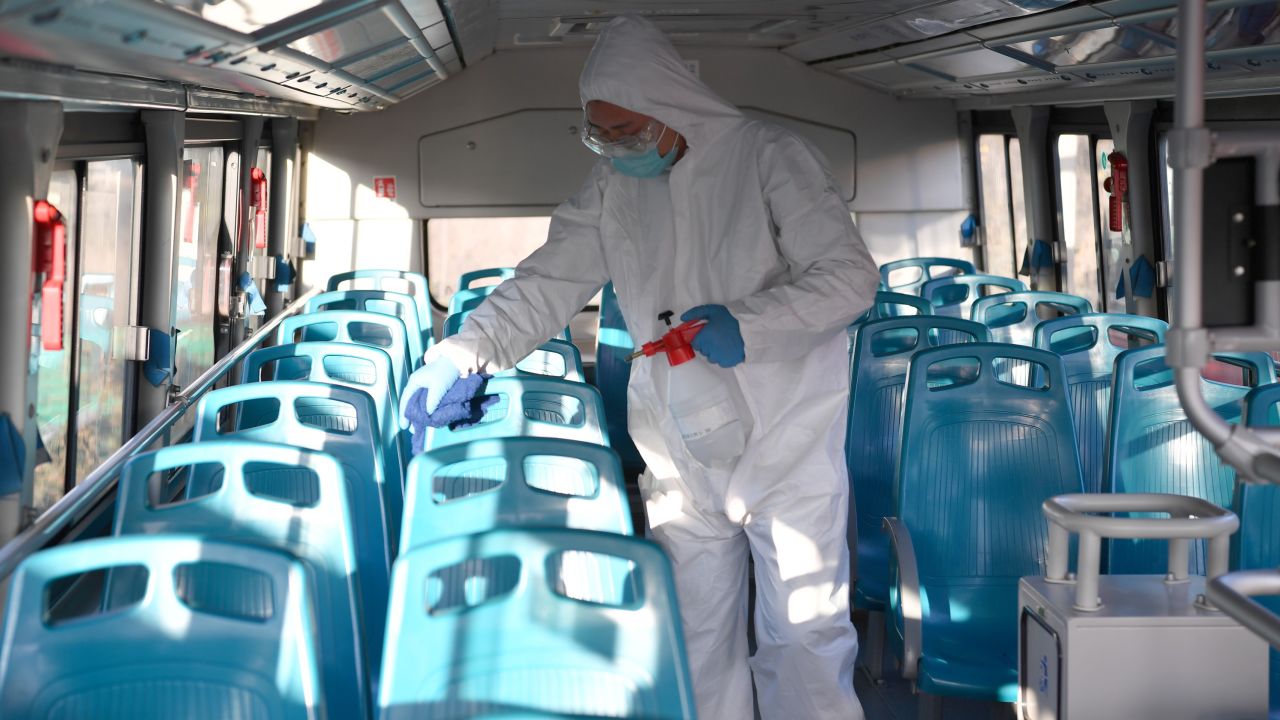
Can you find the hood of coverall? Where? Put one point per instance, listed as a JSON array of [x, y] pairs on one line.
[[633, 65]]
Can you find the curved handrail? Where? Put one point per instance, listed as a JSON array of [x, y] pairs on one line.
[[1192, 518], [1233, 594], [76, 504]]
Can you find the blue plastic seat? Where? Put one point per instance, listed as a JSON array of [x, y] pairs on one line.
[[353, 326], [338, 421], [1153, 448], [362, 367], [1013, 317], [380, 301], [453, 324], [513, 482], [979, 456], [927, 265], [464, 301], [613, 373], [553, 358], [173, 653], [276, 496], [1257, 545], [394, 280], [501, 622], [468, 279], [879, 376], [531, 406], [1088, 351], [954, 296], [888, 305]]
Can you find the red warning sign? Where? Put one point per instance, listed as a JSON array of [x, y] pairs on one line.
[[385, 187]]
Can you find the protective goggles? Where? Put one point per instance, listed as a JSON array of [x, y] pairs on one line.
[[609, 145]]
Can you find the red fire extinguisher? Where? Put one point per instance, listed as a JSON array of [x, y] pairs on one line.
[[1117, 186], [258, 202], [50, 259]]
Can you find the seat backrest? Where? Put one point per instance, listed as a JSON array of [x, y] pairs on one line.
[[1013, 317], [362, 367], [1085, 344], [464, 301], [979, 456], [553, 358], [172, 652], [879, 374], [1257, 545], [513, 482], [453, 324], [954, 296], [378, 279], [380, 301], [1153, 448], [613, 373], [509, 616], [930, 268], [352, 326], [338, 421], [275, 496], [466, 279], [532, 406]]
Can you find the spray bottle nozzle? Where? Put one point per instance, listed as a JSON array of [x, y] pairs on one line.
[[675, 343]]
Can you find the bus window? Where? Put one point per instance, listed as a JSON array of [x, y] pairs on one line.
[[997, 226], [1112, 244], [105, 289], [1019, 206], [53, 399], [196, 283], [1079, 229], [458, 245]]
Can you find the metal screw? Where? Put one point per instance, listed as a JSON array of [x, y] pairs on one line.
[[1201, 599], [471, 145], [1239, 271], [573, 130], [1237, 218]]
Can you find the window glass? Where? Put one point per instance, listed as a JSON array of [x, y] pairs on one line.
[[997, 230], [1019, 205], [201, 216], [1166, 210], [1079, 228], [1112, 242], [459, 245], [106, 263], [53, 396]]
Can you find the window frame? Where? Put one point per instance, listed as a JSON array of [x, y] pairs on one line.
[[1060, 226]]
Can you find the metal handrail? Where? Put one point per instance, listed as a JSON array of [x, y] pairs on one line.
[[98, 484], [1234, 593]]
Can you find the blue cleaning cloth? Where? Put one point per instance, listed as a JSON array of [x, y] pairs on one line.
[[1142, 277], [257, 305], [284, 273], [461, 407]]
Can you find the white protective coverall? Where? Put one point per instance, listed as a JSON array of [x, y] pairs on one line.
[[749, 218]]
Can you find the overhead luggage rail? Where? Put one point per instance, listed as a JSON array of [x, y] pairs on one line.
[[1253, 452], [97, 485]]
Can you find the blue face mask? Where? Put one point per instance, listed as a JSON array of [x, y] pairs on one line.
[[648, 164]]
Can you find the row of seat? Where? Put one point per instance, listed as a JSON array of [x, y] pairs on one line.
[[494, 573], [960, 429]]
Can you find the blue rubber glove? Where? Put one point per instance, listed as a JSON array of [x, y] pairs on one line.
[[436, 377], [720, 340]]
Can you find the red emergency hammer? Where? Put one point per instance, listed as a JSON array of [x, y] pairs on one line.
[[675, 343]]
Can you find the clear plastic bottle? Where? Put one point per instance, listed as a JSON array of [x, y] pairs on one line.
[[707, 413]]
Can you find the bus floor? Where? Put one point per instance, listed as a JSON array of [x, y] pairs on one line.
[[891, 697]]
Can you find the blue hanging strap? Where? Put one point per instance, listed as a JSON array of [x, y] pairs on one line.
[[1142, 277], [1120, 287], [256, 304], [284, 273], [309, 239], [1041, 256], [159, 364], [13, 456], [969, 231]]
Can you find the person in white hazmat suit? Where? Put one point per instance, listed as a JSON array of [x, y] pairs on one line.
[[740, 219]]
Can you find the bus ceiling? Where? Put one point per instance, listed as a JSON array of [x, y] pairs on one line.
[[351, 55]]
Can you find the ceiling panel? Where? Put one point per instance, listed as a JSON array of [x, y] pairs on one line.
[[970, 64], [392, 57], [244, 16], [348, 38]]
